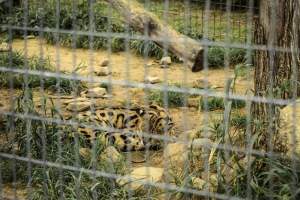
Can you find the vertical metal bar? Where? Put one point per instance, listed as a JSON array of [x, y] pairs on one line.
[[77, 163], [26, 97], [249, 27], [10, 127], [40, 8], [205, 100], [91, 68], [58, 91], [128, 96]]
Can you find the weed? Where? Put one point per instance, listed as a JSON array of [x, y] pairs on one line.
[[175, 99], [212, 103], [237, 56], [216, 57], [238, 120]]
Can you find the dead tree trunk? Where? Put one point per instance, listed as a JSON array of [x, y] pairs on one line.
[[163, 35], [276, 70]]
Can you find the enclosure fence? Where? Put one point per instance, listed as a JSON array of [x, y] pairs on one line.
[[38, 157]]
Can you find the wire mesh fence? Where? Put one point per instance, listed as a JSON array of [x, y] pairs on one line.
[[99, 101]]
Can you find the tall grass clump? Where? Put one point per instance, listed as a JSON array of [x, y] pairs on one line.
[[216, 56], [16, 60], [217, 103], [174, 99]]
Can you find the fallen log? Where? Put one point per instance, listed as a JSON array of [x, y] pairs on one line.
[[184, 47]]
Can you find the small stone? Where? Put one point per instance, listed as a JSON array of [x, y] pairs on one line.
[[175, 157], [290, 130], [201, 143], [216, 87], [111, 155], [165, 61], [92, 85], [189, 135], [104, 63], [139, 176], [79, 106], [149, 64], [201, 84], [28, 37], [4, 47], [80, 99], [198, 183], [103, 71], [193, 102], [97, 92], [85, 152], [152, 79]]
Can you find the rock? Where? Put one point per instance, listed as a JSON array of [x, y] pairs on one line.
[[79, 106], [290, 130], [216, 87], [149, 64], [139, 176], [1, 105], [85, 152], [97, 92], [176, 155], [4, 47], [103, 71], [92, 85], [152, 79], [165, 61], [211, 181], [201, 84], [80, 99], [189, 135], [198, 183], [111, 155], [201, 143], [104, 63], [28, 37], [193, 102]]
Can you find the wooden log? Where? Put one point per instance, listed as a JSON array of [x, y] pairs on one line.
[[184, 47]]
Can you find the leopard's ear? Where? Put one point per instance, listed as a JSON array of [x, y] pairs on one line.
[[141, 111]]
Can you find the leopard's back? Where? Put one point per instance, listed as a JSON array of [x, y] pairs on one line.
[[126, 125]]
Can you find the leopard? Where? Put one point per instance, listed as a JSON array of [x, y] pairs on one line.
[[126, 128]]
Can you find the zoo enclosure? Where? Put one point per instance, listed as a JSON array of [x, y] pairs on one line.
[[225, 27]]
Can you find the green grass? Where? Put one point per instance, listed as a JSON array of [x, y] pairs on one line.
[[216, 56], [16, 60], [239, 120], [174, 99], [217, 103]]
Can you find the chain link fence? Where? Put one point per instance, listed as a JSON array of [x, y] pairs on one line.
[[74, 75]]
